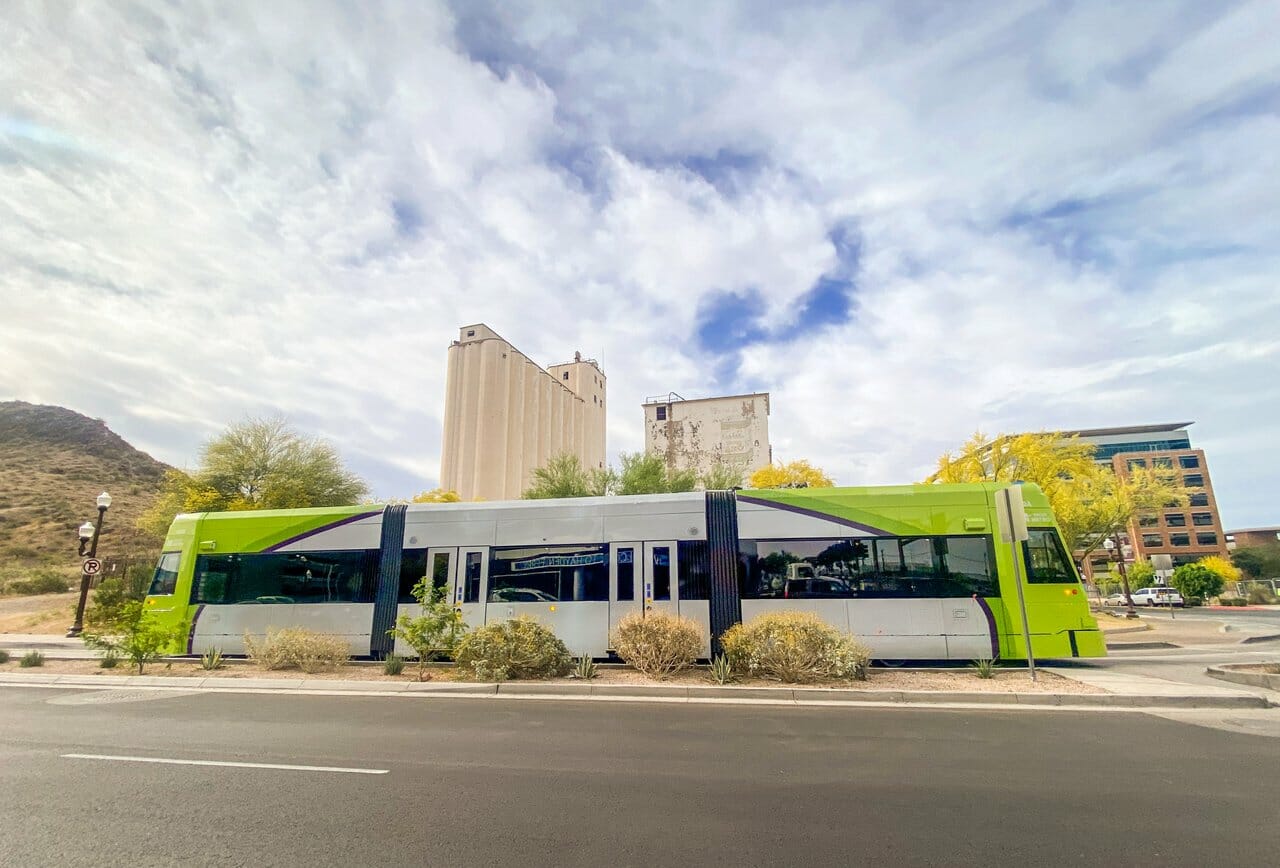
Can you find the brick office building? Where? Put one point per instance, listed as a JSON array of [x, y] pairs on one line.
[[1184, 533]]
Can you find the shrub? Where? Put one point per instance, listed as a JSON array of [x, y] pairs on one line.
[[984, 667], [109, 660], [1261, 595], [657, 644], [30, 659], [794, 647], [297, 648], [135, 633], [40, 582], [435, 631], [1189, 602], [211, 659], [4, 656], [584, 667], [1196, 580], [721, 670], [518, 648], [1230, 601], [393, 665]]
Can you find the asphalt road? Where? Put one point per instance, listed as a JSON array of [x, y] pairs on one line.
[[530, 783]]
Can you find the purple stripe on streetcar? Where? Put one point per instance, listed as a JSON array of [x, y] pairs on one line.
[[813, 513], [348, 520]]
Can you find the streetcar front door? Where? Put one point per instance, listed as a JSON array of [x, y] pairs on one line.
[[661, 587]]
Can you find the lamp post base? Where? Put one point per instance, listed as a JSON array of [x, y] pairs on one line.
[[74, 632]]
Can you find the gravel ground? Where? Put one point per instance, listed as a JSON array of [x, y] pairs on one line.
[[1007, 681]]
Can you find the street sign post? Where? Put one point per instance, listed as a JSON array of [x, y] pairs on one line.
[[1011, 513], [91, 566]]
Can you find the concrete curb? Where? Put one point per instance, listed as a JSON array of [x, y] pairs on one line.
[[1233, 673], [1253, 640], [1119, 646], [1120, 631], [641, 693]]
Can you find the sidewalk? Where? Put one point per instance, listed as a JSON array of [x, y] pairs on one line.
[[1125, 692]]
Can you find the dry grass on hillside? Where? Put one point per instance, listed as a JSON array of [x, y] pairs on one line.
[[53, 464]]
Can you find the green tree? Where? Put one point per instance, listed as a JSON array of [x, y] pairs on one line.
[[647, 473], [564, 476], [1089, 501], [436, 630], [1141, 574], [1258, 562], [136, 634], [723, 477], [795, 474], [257, 464], [1197, 580]]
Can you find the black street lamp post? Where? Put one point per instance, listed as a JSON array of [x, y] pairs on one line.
[[88, 538]]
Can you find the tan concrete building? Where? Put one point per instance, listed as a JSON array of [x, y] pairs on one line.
[[504, 415], [1183, 534], [698, 434]]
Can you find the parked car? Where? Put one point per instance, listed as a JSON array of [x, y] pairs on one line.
[[1114, 600], [1157, 597]]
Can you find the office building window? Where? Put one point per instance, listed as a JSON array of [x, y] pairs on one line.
[[1137, 462], [1199, 499], [1200, 519], [662, 415], [1174, 519], [1206, 539], [1163, 463], [1152, 541], [1147, 521], [1189, 462], [1193, 480], [1180, 539]]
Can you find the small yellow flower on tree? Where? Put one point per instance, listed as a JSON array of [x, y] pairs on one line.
[[796, 474]]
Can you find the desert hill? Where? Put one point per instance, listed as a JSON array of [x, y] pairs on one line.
[[53, 464]]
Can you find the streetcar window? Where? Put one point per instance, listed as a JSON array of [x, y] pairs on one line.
[[413, 566], [301, 577], [662, 572], [165, 579], [549, 574], [1047, 562], [695, 570], [471, 593], [869, 568], [626, 574]]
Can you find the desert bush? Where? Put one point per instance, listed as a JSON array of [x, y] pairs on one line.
[[297, 648], [4, 656], [796, 647], [1231, 601], [437, 628], [657, 644], [721, 670], [1260, 595], [393, 665], [30, 659], [211, 659], [136, 634], [584, 667], [518, 648], [38, 582], [109, 659], [984, 667]]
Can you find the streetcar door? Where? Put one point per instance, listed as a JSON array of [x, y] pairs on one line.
[[661, 585], [441, 565], [471, 585], [625, 579]]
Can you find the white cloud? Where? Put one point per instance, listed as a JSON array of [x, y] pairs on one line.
[[1064, 217]]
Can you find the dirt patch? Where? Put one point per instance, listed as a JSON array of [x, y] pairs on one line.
[[1008, 681], [42, 613]]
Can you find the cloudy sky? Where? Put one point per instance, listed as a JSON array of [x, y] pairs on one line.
[[908, 221]]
